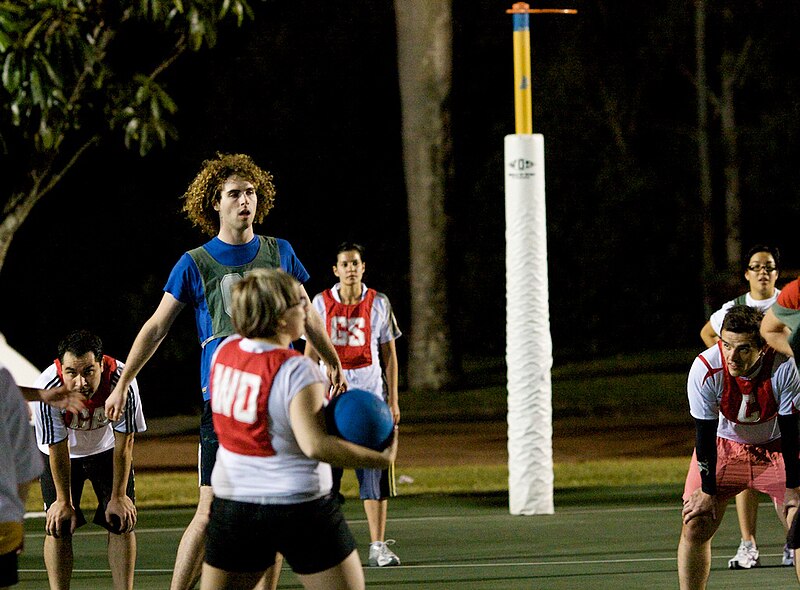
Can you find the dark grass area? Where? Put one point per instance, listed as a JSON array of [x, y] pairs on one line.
[[651, 385]]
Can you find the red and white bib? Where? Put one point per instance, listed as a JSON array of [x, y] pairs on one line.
[[241, 382], [350, 329]]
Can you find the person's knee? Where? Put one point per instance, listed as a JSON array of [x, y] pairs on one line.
[[698, 530]]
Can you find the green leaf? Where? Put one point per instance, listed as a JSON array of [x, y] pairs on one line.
[[5, 41], [15, 114], [58, 95], [141, 94], [197, 30], [131, 132], [46, 135], [11, 74], [37, 93], [51, 72], [32, 32], [155, 109], [144, 142], [162, 134], [167, 102]]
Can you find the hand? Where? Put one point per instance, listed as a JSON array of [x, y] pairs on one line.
[[699, 504], [115, 404], [390, 452], [62, 398], [59, 512], [337, 380], [395, 408], [125, 510]]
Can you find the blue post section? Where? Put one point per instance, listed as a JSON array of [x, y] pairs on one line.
[[522, 22]]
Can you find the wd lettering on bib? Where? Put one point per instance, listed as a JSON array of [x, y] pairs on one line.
[[241, 382]]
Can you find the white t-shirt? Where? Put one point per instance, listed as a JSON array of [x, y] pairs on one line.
[[707, 384], [20, 462], [97, 433], [760, 304], [288, 476], [383, 328]]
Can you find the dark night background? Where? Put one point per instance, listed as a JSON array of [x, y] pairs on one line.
[[313, 96]]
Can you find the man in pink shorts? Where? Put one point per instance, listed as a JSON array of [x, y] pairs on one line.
[[742, 395]]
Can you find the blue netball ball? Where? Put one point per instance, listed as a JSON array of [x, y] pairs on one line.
[[360, 417]]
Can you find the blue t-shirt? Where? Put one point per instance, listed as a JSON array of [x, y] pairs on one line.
[[186, 285]]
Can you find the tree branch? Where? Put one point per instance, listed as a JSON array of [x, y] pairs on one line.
[[56, 178], [180, 49]]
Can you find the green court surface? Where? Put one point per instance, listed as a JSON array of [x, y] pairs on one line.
[[597, 539]]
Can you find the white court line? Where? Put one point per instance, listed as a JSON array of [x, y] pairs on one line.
[[573, 562], [559, 510], [401, 519]]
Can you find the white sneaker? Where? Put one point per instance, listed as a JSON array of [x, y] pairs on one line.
[[746, 557], [381, 556], [788, 556]]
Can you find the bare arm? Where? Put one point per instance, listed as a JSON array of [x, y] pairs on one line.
[[120, 504], [318, 336], [709, 336], [147, 342], [389, 361], [59, 397], [776, 333], [62, 509], [311, 352], [308, 426]]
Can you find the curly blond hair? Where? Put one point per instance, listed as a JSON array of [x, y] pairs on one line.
[[204, 191]]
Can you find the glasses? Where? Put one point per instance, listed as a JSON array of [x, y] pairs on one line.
[[760, 267]]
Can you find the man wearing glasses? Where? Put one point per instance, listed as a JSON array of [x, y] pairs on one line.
[[761, 273]]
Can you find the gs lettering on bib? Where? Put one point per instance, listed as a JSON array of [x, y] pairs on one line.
[[749, 401], [240, 385], [350, 329]]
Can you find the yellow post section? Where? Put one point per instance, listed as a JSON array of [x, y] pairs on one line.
[[523, 103]]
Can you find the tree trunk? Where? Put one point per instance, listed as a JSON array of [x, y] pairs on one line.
[[733, 209], [424, 42], [13, 220], [704, 158]]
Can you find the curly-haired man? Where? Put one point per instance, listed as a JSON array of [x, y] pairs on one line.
[[229, 195]]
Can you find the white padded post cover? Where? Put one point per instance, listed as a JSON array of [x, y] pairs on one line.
[[529, 349]]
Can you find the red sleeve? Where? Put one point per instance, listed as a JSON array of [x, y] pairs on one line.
[[790, 295]]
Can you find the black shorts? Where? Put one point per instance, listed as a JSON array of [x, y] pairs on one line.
[[8, 569], [98, 469], [311, 536], [209, 443]]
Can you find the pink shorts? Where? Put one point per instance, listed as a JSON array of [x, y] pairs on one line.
[[741, 466]]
